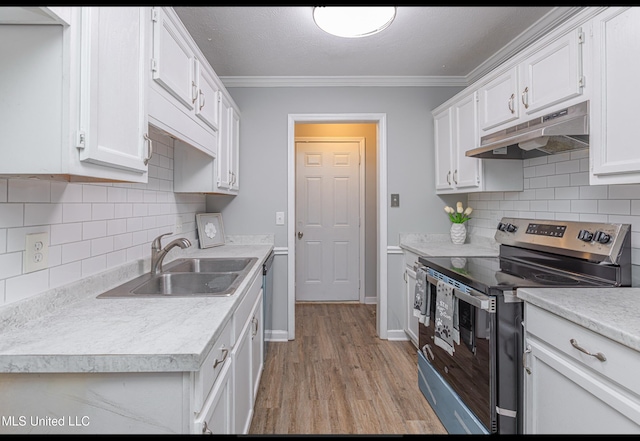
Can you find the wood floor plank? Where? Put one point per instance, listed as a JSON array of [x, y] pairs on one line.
[[338, 377]]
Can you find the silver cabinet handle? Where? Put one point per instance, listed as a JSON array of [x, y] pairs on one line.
[[525, 92], [194, 92], [201, 100], [455, 177], [300, 234], [449, 177], [510, 103], [524, 359], [225, 353], [600, 356], [254, 320], [146, 160], [205, 429]]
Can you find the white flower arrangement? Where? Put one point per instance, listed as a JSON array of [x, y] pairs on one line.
[[460, 215]]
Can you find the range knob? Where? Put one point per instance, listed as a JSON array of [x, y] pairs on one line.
[[602, 237], [585, 235], [501, 226], [511, 228]]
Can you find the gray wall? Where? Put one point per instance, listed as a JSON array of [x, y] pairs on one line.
[[263, 165]]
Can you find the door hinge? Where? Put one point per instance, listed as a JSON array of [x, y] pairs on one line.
[[80, 139], [154, 15], [154, 65], [581, 81], [580, 36]]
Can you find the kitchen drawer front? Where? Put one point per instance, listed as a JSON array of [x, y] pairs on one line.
[[621, 361], [218, 357], [244, 310]]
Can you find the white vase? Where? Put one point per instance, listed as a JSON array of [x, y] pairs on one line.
[[458, 233]]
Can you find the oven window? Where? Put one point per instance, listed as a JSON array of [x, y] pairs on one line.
[[468, 370]]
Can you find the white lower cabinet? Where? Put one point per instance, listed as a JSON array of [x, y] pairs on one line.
[[218, 398], [566, 390], [409, 277]]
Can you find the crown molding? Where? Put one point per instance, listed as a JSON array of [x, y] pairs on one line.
[[343, 81], [546, 24]]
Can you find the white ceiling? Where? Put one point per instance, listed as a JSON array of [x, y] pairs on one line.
[[455, 43]]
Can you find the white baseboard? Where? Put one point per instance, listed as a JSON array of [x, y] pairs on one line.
[[276, 335], [397, 335]]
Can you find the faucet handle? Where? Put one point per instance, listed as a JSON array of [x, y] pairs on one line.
[[157, 242]]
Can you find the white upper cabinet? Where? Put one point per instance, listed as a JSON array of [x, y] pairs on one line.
[[228, 152], [547, 77], [183, 86], [112, 127], [84, 87], [456, 131], [614, 149], [552, 74], [498, 100]]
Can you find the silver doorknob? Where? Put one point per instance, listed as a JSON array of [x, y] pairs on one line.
[[300, 234]]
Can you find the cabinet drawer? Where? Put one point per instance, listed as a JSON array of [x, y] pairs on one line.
[[244, 310], [218, 357], [621, 361]]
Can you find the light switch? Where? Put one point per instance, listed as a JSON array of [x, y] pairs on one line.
[[395, 200], [279, 217]]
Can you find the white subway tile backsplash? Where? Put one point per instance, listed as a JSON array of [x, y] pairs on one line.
[[135, 195], [42, 214], [593, 192], [134, 224], [94, 265], [3, 191], [16, 237], [94, 193], [116, 194], [65, 192], [3, 240], [76, 212], [568, 167], [64, 274], [584, 206], [545, 170], [140, 210], [539, 205], [11, 215], [581, 178], [545, 193], [559, 180], [540, 182], [29, 190], [123, 210], [10, 265], [55, 255], [102, 211], [26, 285], [65, 233], [74, 251], [91, 230], [614, 206], [628, 191], [116, 226], [122, 241]]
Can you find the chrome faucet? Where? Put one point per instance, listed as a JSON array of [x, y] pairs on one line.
[[158, 253]]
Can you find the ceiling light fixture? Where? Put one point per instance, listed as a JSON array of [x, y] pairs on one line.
[[353, 22]]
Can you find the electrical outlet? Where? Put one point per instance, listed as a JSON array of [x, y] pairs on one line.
[[36, 254], [279, 217], [178, 224]]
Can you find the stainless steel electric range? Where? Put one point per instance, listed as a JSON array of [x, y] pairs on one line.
[[471, 370]]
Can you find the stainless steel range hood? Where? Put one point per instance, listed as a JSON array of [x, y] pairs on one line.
[[558, 132]]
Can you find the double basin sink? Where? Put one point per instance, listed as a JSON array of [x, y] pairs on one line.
[[188, 277]]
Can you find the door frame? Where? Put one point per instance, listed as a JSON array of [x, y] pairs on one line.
[[380, 119], [361, 182]]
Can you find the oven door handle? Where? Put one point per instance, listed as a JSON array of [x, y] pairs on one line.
[[474, 298]]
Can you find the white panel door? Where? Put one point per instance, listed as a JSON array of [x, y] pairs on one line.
[[327, 221]]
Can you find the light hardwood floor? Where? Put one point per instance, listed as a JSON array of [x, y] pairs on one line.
[[338, 377]]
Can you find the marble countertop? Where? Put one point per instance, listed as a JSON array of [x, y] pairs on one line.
[[611, 312], [441, 245], [86, 334]]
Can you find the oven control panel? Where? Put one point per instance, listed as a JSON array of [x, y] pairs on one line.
[[589, 240]]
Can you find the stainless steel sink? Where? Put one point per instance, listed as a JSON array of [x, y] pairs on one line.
[[210, 265], [188, 277], [172, 284]]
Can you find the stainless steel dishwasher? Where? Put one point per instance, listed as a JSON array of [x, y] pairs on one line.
[[267, 298]]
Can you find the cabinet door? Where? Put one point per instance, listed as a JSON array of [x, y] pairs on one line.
[[216, 416], [498, 100], [466, 172], [173, 60], [443, 147], [207, 108], [411, 320], [242, 387], [234, 145], [224, 143], [553, 74], [562, 398], [614, 116], [113, 106], [257, 344]]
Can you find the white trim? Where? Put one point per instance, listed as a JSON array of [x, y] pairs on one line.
[[398, 335], [381, 168], [394, 249], [346, 81], [280, 250], [361, 172]]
